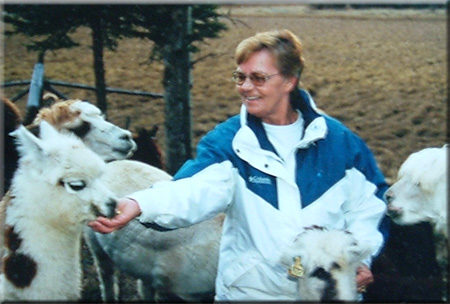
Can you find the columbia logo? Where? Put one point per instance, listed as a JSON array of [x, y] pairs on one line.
[[259, 180]]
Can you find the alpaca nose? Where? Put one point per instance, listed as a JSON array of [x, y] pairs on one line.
[[389, 196], [111, 206], [394, 212], [126, 136]]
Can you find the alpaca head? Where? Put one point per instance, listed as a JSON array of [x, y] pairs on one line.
[[325, 263], [420, 192], [87, 122], [59, 178]]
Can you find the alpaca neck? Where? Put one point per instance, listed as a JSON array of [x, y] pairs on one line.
[[440, 226], [57, 249], [57, 254], [439, 220]]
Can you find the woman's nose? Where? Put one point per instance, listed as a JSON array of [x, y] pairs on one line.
[[247, 85]]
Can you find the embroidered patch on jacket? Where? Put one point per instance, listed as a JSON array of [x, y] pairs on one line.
[[260, 180], [262, 185]]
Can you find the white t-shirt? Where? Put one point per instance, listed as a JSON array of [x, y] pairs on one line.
[[285, 139]]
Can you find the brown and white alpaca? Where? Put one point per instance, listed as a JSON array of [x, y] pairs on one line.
[[69, 116], [88, 123], [73, 117], [55, 191], [325, 263]]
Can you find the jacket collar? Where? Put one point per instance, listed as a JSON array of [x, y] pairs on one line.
[[315, 125]]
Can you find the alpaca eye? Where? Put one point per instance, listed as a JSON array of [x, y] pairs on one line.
[[82, 129], [76, 185], [336, 266]]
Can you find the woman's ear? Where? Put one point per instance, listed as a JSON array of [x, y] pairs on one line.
[[291, 83]]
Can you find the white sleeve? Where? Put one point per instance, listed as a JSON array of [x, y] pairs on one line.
[[184, 202], [363, 212]]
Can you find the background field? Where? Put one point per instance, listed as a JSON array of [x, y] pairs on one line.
[[381, 72]]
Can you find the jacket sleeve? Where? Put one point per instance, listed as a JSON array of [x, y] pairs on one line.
[[187, 201], [363, 211], [366, 163]]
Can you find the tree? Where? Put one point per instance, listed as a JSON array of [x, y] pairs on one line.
[[50, 26], [174, 45], [189, 26]]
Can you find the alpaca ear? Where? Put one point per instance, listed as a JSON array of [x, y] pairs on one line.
[[47, 131], [357, 252], [26, 142]]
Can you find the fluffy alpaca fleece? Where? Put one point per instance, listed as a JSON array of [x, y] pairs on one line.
[[420, 195], [70, 117], [325, 263], [55, 191], [172, 265]]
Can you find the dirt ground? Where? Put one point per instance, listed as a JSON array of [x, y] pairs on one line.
[[381, 72]]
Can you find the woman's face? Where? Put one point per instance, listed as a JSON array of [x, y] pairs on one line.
[[269, 101]]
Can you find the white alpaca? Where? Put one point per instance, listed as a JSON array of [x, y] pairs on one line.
[[420, 195], [55, 191], [325, 264], [172, 265]]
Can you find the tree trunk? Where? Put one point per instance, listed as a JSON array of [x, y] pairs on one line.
[[177, 84], [99, 69]]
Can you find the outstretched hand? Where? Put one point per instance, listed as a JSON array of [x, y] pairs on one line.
[[127, 209], [364, 277]]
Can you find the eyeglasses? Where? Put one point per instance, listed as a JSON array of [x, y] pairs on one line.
[[258, 79]]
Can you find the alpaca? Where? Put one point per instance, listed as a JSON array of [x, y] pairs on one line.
[[68, 116], [55, 191], [148, 150], [71, 116], [420, 195], [325, 263], [172, 265], [12, 120], [87, 122]]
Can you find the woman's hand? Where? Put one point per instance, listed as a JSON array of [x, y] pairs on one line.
[[364, 277], [127, 209]]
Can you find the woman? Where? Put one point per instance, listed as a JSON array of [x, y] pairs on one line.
[[263, 168]]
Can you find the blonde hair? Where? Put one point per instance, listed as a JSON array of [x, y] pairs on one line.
[[283, 44]]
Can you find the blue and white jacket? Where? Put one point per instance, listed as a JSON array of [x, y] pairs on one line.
[[237, 171]]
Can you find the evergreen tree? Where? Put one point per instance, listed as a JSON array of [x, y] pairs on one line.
[[174, 44], [49, 28], [176, 31]]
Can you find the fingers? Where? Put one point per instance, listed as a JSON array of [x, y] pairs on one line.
[[102, 225], [127, 209], [362, 289], [364, 277]]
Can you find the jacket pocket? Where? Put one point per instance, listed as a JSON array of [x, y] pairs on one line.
[[243, 264], [260, 281]]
